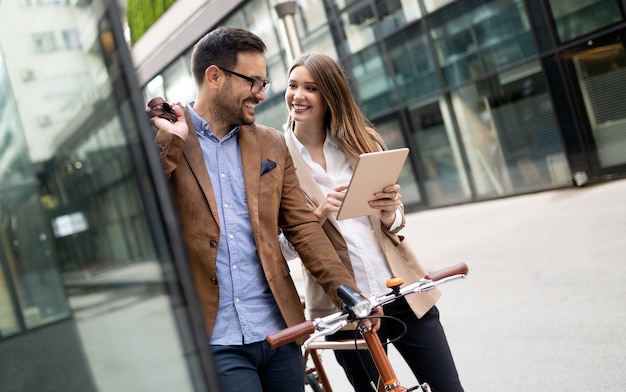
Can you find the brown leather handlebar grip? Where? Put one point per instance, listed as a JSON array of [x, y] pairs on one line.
[[290, 334], [457, 269]]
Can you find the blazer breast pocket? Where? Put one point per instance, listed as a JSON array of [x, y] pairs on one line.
[[267, 165]]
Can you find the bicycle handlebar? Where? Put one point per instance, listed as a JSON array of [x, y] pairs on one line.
[[333, 322], [290, 334], [457, 269]]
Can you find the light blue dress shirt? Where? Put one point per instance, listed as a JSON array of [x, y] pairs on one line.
[[247, 311]]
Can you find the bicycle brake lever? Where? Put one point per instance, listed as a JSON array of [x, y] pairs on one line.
[[427, 284], [324, 329]]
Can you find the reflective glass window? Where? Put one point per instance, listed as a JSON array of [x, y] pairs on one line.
[[414, 70], [71, 39], [510, 133], [87, 280], [310, 15], [445, 180], [277, 73], [178, 83], [237, 19], [393, 14], [599, 70], [321, 42], [433, 5], [341, 4], [31, 290], [372, 81], [263, 23], [391, 132], [359, 27], [154, 88], [273, 113], [574, 18], [44, 42], [474, 37]]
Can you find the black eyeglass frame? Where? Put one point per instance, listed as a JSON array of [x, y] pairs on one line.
[[261, 84]]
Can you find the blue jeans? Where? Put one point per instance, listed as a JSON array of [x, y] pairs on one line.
[[255, 368]]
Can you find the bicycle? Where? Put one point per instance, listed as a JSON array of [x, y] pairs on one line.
[[359, 307]]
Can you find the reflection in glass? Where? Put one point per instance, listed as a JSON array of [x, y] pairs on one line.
[[372, 80], [391, 132], [359, 27], [599, 71], [31, 292], [261, 22], [76, 232], [393, 14], [310, 16], [178, 84], [445, 179], [474, 37], [510, 133], [433, 5], [575, 18], [28, 251], [320, 42], [413, 67]]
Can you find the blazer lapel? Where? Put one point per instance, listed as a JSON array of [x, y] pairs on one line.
[[307, 182], [250, 150], [195, 160]]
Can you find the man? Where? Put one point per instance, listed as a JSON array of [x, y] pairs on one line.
[[235, 185]]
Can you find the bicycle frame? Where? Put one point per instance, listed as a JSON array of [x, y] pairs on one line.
[[330, 324]]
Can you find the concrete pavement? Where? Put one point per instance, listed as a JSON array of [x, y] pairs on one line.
[[543, 305]]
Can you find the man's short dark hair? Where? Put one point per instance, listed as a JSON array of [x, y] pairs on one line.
[[221, 47]]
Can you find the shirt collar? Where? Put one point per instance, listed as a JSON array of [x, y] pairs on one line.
[[204, 128], [330, 140]]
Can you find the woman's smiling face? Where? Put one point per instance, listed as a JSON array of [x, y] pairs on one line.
[[303, 98]]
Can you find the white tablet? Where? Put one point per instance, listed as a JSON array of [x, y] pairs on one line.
[[373, 172]]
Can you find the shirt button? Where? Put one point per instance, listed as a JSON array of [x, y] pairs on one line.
[[234, 267], [231, 236], [225, 205], [237, 300]]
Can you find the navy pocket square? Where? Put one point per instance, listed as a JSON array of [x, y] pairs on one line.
[[267, 165]]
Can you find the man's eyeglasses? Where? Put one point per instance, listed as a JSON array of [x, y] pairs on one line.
[[257, 84]]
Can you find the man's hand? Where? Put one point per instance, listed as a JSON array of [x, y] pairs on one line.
[[160, 122]]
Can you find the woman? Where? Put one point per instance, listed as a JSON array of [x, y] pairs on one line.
[[326, 132]]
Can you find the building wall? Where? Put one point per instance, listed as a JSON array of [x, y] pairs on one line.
[[471, 87]]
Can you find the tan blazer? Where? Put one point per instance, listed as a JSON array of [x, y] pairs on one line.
[[401, 259], [274, 200]]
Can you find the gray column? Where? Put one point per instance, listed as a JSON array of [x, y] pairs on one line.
[[286, 12]]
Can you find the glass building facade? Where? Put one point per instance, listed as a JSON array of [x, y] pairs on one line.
[[95, 294], [493, 97]]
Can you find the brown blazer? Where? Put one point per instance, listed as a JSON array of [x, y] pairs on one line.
[[274, 200], [402, 261]]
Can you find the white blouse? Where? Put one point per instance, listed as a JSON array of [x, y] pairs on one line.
[[371, 269]]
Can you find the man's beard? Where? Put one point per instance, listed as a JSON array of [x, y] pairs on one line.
[[229, 110]]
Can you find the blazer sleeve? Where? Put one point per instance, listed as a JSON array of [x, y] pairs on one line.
[[170, 148], [303, 230]]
